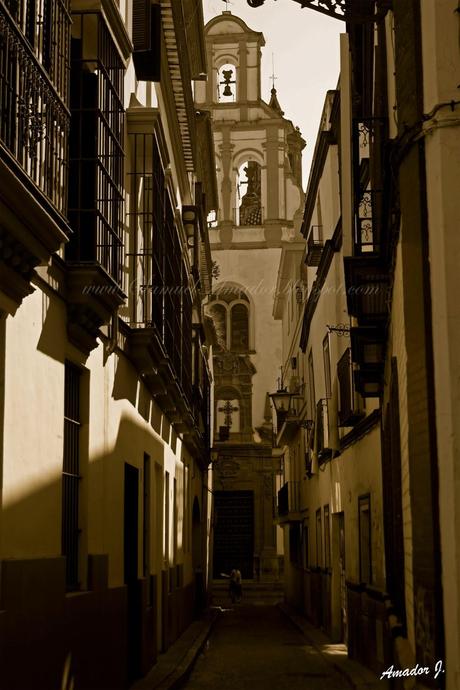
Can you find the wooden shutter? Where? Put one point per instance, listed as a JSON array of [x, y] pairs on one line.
[[147, 40]]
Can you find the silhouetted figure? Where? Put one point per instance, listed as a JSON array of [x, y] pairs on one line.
[[235, 589]]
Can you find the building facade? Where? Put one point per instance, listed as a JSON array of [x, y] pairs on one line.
[[258, 157], [107, 177], [378, 235], [330, 503]]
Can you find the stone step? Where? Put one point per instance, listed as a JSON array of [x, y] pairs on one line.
[[253, 592], [250, 584]]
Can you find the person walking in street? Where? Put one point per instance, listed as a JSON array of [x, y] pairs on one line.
[[235, 588]]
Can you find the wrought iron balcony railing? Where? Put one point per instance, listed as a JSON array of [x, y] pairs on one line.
[[369, 137], [369, 213], [34, 119]]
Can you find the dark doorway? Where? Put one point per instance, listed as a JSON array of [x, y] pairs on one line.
[[234, 532], [131, 546], [197, 557], [343, 586], [392, 499]]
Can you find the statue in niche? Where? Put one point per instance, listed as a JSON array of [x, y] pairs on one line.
[[250, 207]]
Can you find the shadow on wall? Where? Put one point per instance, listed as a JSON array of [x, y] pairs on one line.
[[48, 635], [42, 626]]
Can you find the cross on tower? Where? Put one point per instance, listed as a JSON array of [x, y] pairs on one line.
[[228, 410], [272, 77]]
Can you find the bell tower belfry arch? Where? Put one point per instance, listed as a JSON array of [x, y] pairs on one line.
[[258, 158], [258, 150]]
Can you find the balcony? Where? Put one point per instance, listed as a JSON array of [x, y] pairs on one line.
[[94, 253], [369, 212], [289, 502], [369, 137], [315, 245], [368, 289], [145, 349], [368, 351], [34, 127], [350, 404]]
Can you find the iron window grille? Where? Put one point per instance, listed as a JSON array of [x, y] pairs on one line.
[[146, 185], [34, 66], [96, 152], [162, 296], [71, 475]]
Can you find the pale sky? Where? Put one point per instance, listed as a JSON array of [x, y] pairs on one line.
[[305, 45]]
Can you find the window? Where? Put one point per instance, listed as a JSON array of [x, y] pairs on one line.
[[226, 84], [161, 295], [364, 517], [305, 546], [311, 385], [96, 150], [239, 328], [327, 367], [147, 40], [249, 200], [71, 475], [34, 77], [319, 539], [166, 520], [230, 314], [327, 538], [146, 193]]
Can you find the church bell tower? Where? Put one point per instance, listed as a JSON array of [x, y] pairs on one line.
[[258, 157]]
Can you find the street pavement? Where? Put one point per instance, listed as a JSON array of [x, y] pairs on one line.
[[258, 648]]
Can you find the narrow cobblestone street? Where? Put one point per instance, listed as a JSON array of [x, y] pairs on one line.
[[258, 648]]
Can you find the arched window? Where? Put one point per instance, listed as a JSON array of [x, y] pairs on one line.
[[231, 314], [226, 84], [239, 328], [249, 199]]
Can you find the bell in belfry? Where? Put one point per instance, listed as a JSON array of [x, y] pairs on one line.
[[227, 75]]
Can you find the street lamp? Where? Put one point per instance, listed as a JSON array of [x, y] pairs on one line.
[[281, 400], [345, 10]]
